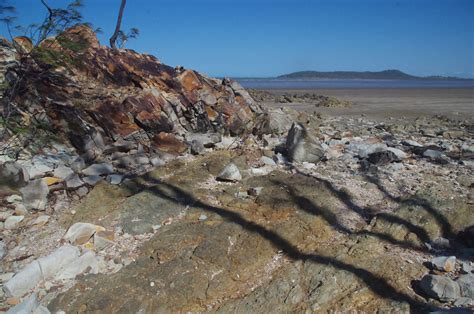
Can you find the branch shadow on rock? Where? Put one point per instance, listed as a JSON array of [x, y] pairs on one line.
[[375, 283]]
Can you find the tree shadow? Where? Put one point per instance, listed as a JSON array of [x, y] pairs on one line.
[[443, 223], [377, 284], [364, 213]]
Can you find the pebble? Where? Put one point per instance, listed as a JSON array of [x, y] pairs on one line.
[[267, 161], [115, 179], [81, 232], [41, 220], [20, 210], [74, 181], [82, 191], [98, 169], [466, 268], [14, 198], [157, 162], [92, 180], [230, 173]]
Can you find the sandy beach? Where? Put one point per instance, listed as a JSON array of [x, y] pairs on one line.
[[384, 103]]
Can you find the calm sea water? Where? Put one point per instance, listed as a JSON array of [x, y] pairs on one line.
[[324, 84]]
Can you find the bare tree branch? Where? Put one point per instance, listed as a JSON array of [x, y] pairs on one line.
[[113, 39]]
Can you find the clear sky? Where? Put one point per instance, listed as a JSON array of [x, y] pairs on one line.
[[261, 38]]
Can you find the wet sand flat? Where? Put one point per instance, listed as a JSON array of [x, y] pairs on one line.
[[393, 102]]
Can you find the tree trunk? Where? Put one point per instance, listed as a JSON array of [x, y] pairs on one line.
[[113, 39]]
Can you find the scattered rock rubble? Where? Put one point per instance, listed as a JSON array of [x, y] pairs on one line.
[[347, 148], [184, 192]]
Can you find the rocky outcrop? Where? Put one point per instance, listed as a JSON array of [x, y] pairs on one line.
[[79, 89]]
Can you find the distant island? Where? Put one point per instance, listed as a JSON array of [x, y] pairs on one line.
[[354, 75]]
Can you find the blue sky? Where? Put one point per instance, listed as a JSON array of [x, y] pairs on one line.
[[260, 38]]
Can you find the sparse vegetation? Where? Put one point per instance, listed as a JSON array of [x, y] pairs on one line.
[[42, 53], [119, 37]]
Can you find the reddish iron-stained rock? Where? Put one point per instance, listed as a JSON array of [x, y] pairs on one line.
[[126, 95], [168, 143], [23, 44]]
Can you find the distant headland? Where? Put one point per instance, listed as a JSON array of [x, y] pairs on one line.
[[366, 75]]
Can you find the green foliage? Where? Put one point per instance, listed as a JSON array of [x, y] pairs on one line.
[[56, 58], [56, 22], [75, 46], [122, 38]]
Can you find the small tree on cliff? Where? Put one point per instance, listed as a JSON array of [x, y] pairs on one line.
[[120, 37], [56, 21]]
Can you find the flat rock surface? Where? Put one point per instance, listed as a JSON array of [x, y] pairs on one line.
[[304, 243]]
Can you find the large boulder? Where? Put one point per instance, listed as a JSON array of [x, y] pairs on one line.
[[301, 147], [441, 288]]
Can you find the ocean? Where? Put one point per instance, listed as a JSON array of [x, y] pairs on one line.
[[350, 84]]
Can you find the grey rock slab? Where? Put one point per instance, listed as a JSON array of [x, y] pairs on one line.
[[62, 172], [41, 269], [230, 173], [30, 305], [267, 161], [81, 232], [444, 263], [78, 164], [84, 262], [208, 140], [411, 143], [364, 150], [92, 180], [98, 169], [41, 220], [466, 283], [74, 181], [157, 162], [433, 154], [38, 170], [35, 194], [82, 191], [115, 179], [142, 160], [398, 152], [441, 288], [13, 222], [140, 212]]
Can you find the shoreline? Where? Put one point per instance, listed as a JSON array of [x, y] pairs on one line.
[[457, 103]]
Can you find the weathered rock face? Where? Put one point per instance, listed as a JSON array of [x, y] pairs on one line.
[[80, 88]]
